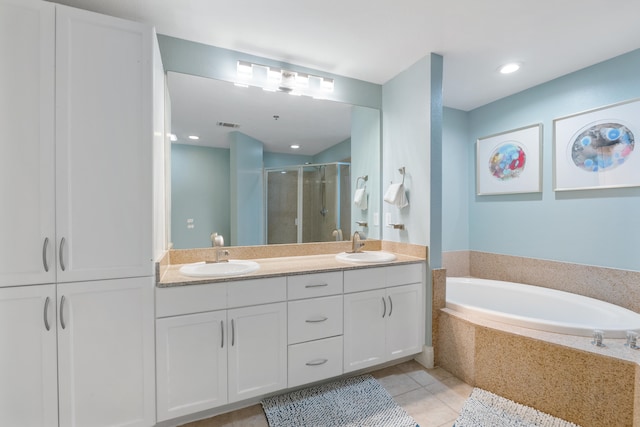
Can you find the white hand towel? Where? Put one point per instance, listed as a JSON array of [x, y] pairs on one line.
[[396, 196], [360, 198]]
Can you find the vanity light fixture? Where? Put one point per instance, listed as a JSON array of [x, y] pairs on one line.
[[509, 68], [275, 79]]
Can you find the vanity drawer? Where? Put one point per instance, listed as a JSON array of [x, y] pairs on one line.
[[315, 318], [314, 285], [364, 279], [257, 291], [404, 274], [315, 361], [189, 299]]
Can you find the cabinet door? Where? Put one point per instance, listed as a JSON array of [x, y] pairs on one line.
[[405, 322], [103, 146], [192, 363], [106, 364], [364, 329], [27, 143], [28, 367], [257, 350]]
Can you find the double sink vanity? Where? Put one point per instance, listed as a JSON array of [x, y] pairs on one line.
[[228, 333]]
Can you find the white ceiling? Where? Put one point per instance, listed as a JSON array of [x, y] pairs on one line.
[[374, 40], [198, 103]]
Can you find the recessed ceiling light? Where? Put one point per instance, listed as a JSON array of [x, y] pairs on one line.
[[194, 137], [173, 137], [295, 146], [512, 67]]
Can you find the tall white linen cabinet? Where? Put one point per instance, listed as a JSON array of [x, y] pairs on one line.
[[77, 104]]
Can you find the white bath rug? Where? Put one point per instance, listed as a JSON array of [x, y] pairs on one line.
[[359, 401], [485, 409]]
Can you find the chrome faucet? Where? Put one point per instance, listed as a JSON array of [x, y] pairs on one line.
[[217, 241], [356, 243], [337, 233]]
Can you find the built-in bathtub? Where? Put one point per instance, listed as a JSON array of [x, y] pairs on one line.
[[538, 308]]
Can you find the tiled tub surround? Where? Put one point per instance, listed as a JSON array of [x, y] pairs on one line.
[[619, 287], [563, 375]]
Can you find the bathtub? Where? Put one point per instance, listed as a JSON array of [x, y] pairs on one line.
[[539, 308]]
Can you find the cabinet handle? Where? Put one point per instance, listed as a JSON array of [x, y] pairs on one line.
[[317, 362], [384, 305], [390, 306], [233, 332], [62, 300], [319, 320], [61, 254], [44, 255], [222, 334], [319, 285], [46, 312]]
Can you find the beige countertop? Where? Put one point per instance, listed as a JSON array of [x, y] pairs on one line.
[[287, 265]]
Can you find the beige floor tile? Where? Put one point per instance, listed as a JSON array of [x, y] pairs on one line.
[[425, 408], [433, 397], [253, 416], [419, 373], [395, 381], [224, 420], [452, 391]]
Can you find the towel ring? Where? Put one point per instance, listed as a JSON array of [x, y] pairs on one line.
[[365, 178]]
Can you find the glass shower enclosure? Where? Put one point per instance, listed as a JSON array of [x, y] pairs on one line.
[[308, 203]]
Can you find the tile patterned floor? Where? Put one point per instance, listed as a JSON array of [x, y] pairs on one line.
[[433, 397]]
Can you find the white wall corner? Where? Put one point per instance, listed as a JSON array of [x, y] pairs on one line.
[[426, 358]]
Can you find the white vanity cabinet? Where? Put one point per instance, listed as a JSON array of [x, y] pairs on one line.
[[28, 358], [106, 363], [27, 176], [314, 327], [219, 343], [76, 217], [75, 171], [192, 363], [383, 314], [85, 355]]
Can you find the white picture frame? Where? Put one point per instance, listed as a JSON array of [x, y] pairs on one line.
[[596, 148], [509, 162]]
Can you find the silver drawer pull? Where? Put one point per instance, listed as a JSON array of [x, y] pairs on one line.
[[61, 254], [318, 320], [319, 285], [317, 362]]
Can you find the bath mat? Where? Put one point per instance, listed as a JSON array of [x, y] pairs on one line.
[[485, 409], [358, 401]]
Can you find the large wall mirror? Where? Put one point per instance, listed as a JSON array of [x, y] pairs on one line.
[[242, 179]]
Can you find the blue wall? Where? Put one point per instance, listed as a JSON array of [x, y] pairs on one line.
[[339, 152], [595, 227], [456, 175], [200, 180], [247, 195]]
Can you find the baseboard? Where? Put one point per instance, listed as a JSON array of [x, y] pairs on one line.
[[426, 358]]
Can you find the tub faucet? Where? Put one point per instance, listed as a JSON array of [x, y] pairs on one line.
[[217, 241], [356, 243]]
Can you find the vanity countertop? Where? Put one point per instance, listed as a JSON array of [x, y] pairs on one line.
[[287, 265]]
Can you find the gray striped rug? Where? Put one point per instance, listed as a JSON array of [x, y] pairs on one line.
[[485, 409], [359, 401]]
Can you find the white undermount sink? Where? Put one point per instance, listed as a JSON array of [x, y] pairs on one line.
[[366, 256], [219, 269]]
